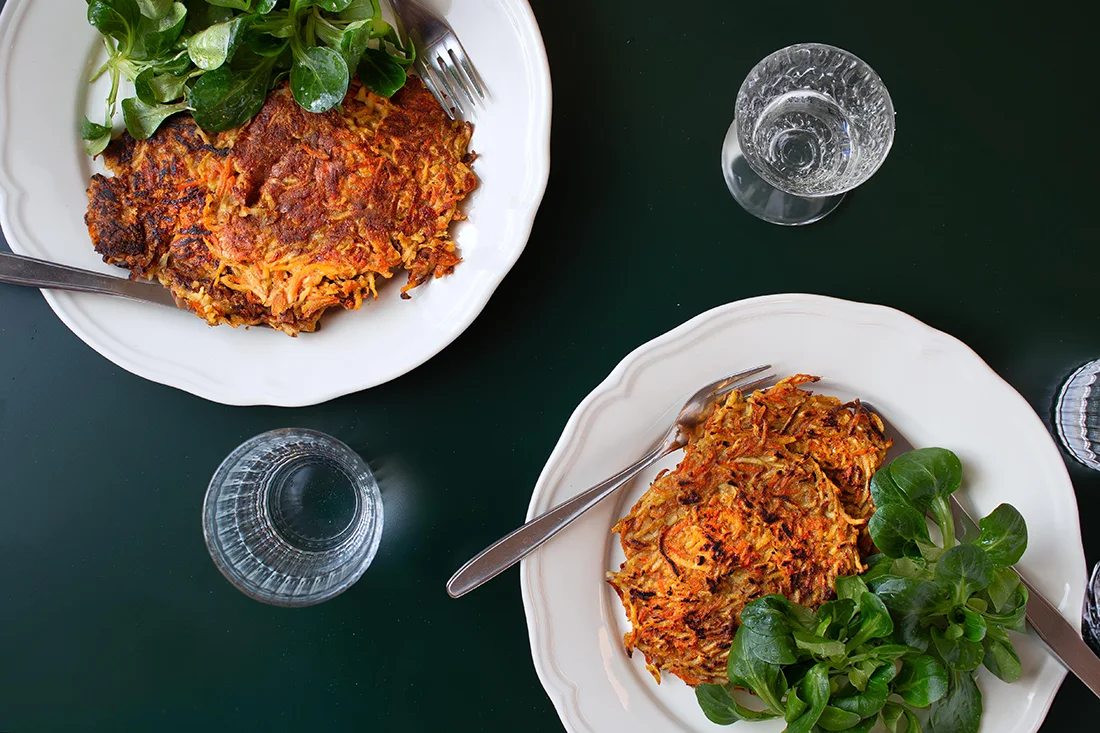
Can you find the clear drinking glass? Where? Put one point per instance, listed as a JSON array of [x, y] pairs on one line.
[[1077, 419], [292, 517], [1077, 415], [1090, 619], [811, 123]]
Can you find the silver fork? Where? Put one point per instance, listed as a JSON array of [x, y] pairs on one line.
[[441, 61], [506, 552]]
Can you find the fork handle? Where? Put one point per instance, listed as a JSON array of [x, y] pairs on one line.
[[30, 272], [506, 552]]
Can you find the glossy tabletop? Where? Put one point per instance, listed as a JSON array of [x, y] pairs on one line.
[[112, 615]]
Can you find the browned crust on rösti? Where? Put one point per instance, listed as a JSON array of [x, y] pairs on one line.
[[291, 214]]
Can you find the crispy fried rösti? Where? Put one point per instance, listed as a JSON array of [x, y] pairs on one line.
[[772, 496], [293, 213]]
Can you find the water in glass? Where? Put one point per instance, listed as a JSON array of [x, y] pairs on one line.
[[806, 141]]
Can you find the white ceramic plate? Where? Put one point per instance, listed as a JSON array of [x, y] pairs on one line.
[[44, 174], [931, 387]]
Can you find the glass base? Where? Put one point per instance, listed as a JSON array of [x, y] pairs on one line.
[[763, 200]]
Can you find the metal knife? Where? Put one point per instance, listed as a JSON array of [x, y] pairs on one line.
[[31, 272], [1065, 641]]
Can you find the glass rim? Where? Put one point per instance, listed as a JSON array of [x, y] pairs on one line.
[[772, 180], [363, 559]]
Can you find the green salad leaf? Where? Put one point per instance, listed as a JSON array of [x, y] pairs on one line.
[[159, 34], [167, 48], [213, 46], [319, 79], [235, 4], [1003, 536], [228, 97], [811, 701], [1000, 657], [143, 119], [362, 10], [381, 72], [1001, 589], [720, 707], [353, 41], [964, 570], [98, 136], [926, 474], [155, 9], [960, 710], [333, 6], [898, 530], [116, 19], [921, 680], [152, 87]]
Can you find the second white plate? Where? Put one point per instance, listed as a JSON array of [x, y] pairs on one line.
[[932, 389]]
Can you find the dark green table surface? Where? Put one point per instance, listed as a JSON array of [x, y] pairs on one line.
[[981, 223]]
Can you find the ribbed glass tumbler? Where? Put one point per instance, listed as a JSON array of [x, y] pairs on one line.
[[293, 517], [1077, 414]]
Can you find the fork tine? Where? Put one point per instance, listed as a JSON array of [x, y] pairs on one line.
[[720, 384], [443, 80], [466, 70], [722, 392], [452, 105], [453, 75], [427, 79], [743, 374], [483, 88]]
